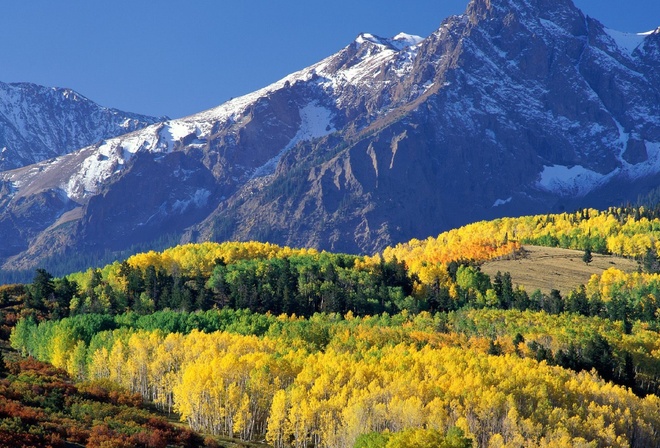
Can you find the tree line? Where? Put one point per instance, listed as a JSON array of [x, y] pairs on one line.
[[304, 284]]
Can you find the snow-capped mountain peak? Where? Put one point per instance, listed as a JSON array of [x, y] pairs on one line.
[[37, 123], [398, 42], [516, 106], [403, 40]]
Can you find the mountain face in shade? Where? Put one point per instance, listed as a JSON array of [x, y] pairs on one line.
[[515, 107], [39, 123]]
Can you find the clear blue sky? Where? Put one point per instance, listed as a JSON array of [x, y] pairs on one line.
[[176, 57]]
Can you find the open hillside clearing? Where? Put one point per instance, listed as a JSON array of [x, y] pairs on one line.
[[548, 268]]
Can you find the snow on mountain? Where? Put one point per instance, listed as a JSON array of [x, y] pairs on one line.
[[37, 123], [98, 163], [571, 181], [315, 122], [577, 181], [403, 40], [516, 106], [108, 159], [628, 41], [398, 42]]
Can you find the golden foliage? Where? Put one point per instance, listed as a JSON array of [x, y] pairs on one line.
[[189, 259], [246, 386]]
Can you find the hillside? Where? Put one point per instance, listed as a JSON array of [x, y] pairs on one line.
[[255, 341], [547, 268], [41, 406], [490, 376]]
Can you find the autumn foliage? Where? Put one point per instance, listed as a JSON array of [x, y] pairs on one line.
[[414, 346], [498, 376], [41, 407]]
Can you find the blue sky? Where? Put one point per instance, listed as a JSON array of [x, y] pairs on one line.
[[175, 57]]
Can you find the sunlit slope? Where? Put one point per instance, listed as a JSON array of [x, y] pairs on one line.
[[548, 268]]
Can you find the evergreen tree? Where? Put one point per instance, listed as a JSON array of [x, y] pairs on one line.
[[536, 300], [3, 365], [494, 348], [570, 358], [151, 282], [4, 298], [521, 300], [507, 291], [587, 257], [203, 299], [577, 302], [41, 290], [628, 376], [650, 261], [498, 286], [596, 305], [554, 304], [598, 354]]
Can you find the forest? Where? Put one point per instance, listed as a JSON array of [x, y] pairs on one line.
[[414, 346]]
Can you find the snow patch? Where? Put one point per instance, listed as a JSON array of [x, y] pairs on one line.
[[596, 129], [367, 68], [502, 201], [367, 37], [574, 181], [175, 131], [648, 167], [579, 181], [199, 199], [399, 42], [553, 27], [627, 41], [403, 40], [315, 122], [98, 164], [622, 141], [93, 171], [178, 129]]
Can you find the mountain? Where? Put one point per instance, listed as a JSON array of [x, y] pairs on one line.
[[39, 123], [514, 107]]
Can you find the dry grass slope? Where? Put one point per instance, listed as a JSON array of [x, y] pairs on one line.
[[547, 268]]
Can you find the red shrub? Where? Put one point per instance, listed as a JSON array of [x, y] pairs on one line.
[[103, 437]]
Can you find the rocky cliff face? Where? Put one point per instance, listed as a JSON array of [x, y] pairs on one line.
[[516, 106], [39, 123], [528, 107]]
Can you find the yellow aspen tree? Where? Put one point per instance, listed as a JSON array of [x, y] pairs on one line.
[[117, 362], [279, 410], [62, 345], [77, 363], [99, 367], [140, 349]]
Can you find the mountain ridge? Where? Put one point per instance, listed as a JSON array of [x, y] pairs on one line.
[[39, 123], [515, 107]]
